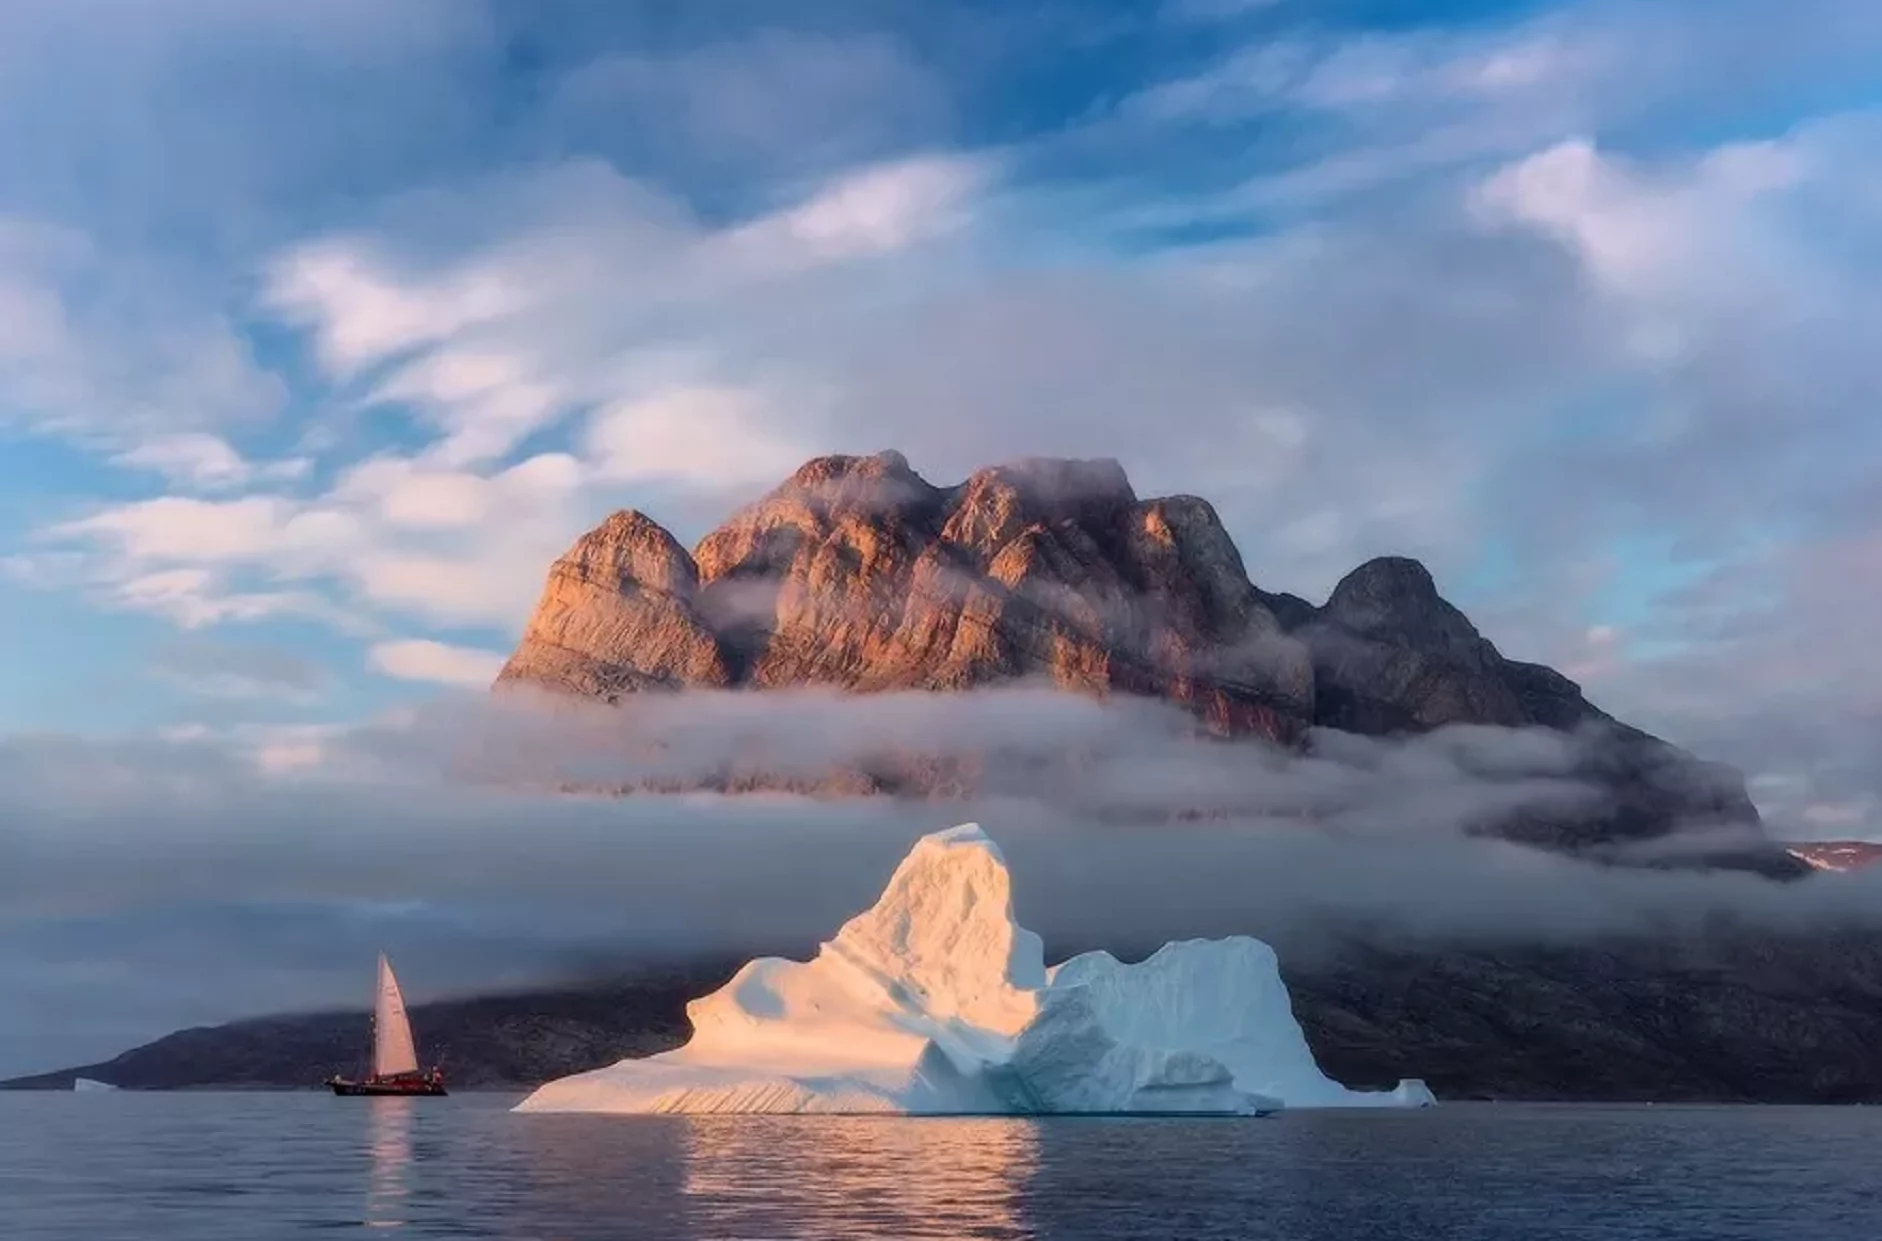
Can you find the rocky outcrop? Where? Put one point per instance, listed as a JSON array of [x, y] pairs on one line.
[[619, 615], [859, 574]]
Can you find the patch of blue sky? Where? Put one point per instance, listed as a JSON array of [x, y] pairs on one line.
[[89, 668]]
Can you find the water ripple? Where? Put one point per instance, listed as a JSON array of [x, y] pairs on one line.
[[251, 1167]]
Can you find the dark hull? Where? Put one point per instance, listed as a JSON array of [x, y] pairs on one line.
[[387, 1086]]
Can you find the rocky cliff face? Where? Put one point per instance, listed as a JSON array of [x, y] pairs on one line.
[[857, 573]]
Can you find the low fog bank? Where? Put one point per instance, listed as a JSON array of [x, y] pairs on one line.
[[146, 885]]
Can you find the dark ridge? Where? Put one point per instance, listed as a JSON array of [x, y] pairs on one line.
[[1731, 1018]]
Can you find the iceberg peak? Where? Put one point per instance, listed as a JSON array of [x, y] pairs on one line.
[[935, 1000], [943, 938]]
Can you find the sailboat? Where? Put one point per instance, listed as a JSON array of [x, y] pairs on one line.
[[394, 1057]]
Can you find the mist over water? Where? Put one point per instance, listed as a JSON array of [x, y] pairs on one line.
[[153, 885]]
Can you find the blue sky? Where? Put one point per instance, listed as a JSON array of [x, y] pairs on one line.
[[324, 326]]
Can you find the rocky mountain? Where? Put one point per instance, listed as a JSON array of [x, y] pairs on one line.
[[857, 573]]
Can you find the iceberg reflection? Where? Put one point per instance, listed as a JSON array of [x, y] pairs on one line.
[[858, 1177]]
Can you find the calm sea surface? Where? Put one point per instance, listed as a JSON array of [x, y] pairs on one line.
[[205, 1167]]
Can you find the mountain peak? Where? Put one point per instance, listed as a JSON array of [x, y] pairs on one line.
[[1385, 582], [837, 467], [1395, 599], [858, 574], [630, 549], [945, 922]]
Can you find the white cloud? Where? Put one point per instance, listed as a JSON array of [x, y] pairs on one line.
[[875, 211], [194, 598], [179, 529], [589, 290], [392, 534], [598, 297], [700, 435], [107, 347], [1683, 236], [362, 313], [204, 462], [418, 659]]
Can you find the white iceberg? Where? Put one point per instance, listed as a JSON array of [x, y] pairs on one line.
[[86, 1085], [937, 1002]]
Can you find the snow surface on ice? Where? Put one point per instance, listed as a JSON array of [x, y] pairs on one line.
[[936, 1001]]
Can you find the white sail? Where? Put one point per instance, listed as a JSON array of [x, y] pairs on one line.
[[392, 1050]]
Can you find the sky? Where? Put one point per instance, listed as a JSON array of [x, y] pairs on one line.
[[326, 324]]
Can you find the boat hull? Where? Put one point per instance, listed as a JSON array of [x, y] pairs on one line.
[[381, 1087]]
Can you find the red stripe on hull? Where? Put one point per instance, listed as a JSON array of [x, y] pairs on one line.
[[382, 1086]]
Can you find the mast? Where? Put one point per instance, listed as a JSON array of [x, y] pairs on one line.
[[392, 1050]]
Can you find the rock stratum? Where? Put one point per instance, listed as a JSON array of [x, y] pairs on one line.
[[857, 574], [935, 1001]]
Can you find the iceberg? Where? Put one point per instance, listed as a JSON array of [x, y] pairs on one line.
[[86, 1085], [935, 1001]]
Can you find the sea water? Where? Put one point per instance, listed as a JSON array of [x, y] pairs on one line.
[[249, 1167]]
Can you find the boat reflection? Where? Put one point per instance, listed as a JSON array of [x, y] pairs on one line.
[[390, 1135], [858, 1176]]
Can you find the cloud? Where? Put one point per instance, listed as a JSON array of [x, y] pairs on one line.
[[203, 462], [153, 860], [877, 210], [393, 534], [109, 347], [531, 326], [215, 123], [235, 670], [1129, 766], [176, 528], [1395, 109], [360, 314], [539, 321], [420, 659], [1644, 236], [790, 102], [704, 435]]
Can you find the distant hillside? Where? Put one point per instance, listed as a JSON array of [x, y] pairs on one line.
[[1729, 1019], [500, 1040]]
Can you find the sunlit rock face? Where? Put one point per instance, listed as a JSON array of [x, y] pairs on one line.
[[936, 1001], [857, 573]]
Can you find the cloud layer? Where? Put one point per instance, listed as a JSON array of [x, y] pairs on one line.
[[274, 864]]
